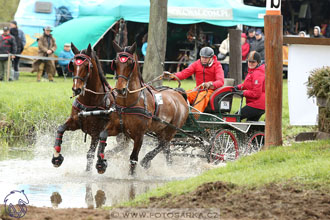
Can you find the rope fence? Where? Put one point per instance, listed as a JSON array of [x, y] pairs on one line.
[[101, 60]]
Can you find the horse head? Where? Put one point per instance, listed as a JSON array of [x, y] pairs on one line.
[[82, 65], [125, 66]]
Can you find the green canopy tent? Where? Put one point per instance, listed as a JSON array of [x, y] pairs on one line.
[[94, 21]]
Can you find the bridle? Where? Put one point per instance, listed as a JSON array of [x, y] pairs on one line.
[[123, 57], [78, 60]]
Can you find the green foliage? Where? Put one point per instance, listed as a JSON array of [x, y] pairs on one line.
[[318, 83], [305, 163], [27, 105]]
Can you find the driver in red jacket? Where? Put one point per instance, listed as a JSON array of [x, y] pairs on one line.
[[209, 76], [253, 89]]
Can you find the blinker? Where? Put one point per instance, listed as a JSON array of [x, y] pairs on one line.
[[78, 62], [123, 59]]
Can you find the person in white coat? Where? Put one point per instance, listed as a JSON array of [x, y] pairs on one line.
[[224, 49]]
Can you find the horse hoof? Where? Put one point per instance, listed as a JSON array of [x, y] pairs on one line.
[[57, 161], [132, 171], [132, 167], [146, 164], [101, 166]]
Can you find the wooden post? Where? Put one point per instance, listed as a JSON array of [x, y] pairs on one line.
[[274, 76], [8, 67], [157, 35], [235, 54]]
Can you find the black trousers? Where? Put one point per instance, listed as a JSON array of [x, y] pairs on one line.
[[16, 63], [251, 114]]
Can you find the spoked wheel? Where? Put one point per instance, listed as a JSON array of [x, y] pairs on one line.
[[224, 147], [255, 142]]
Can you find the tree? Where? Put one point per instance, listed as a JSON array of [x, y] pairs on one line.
[[8, 10], [157, 37]]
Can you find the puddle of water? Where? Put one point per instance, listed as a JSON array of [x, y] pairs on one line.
[[29, 168]]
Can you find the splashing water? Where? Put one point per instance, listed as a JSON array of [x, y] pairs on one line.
[[29, 168]]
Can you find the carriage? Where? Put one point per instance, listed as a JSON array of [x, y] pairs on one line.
[[137, 109], [218, 135], [218, 131]]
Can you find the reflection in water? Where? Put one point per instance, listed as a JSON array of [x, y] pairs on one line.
[[89, 196], [29, 168], [55, 199], [131, 192], [100, 198]]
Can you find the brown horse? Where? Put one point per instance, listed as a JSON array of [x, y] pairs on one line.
[[94, 93], [141, 109]]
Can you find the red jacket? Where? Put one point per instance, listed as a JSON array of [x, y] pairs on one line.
[[254, 87], [213, 73], [245, 50]]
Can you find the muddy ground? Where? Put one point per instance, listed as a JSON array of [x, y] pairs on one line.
[[274, 201]]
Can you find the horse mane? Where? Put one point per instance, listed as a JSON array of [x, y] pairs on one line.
[[99, 67]]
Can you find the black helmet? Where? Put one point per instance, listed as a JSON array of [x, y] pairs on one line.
[[206, 52], [254, 56]]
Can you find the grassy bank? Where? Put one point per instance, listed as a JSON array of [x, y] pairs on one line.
[[27, 105], [304, 163]]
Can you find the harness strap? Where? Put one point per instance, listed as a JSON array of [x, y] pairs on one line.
[[81, 107], [156, 106], [137, 110]]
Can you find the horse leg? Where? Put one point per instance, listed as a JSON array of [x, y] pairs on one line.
[[135, 153], [146, 161], [91, 153], [168, 155], [89, 196], [122, 143], [57, 159], [101, 164]]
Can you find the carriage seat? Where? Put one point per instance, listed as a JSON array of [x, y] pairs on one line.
[[225, 106]]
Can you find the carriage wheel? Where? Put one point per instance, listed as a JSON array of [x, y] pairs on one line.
[[224, 147], [255, 142]]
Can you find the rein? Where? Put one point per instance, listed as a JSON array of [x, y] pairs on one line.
[[158, 78], [96, 93], [198, 89]]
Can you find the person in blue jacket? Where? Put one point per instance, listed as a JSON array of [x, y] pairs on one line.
[[144, 45], [66, 53]]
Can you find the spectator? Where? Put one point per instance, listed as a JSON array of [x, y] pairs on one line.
[[259, 45], [317, 31], [46, 48], [144, 45], [66, 53], [251, 36], [302, 34], [327, 30], [253, 89], [20, 42], [7, 45], [245, 51], [224, 49]]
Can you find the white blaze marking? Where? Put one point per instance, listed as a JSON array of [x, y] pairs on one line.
[[75, 80]]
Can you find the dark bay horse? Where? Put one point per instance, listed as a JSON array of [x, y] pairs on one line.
[[94, 93], [141, 109]]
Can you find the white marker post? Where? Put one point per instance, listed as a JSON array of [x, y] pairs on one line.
[[274, 72]]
